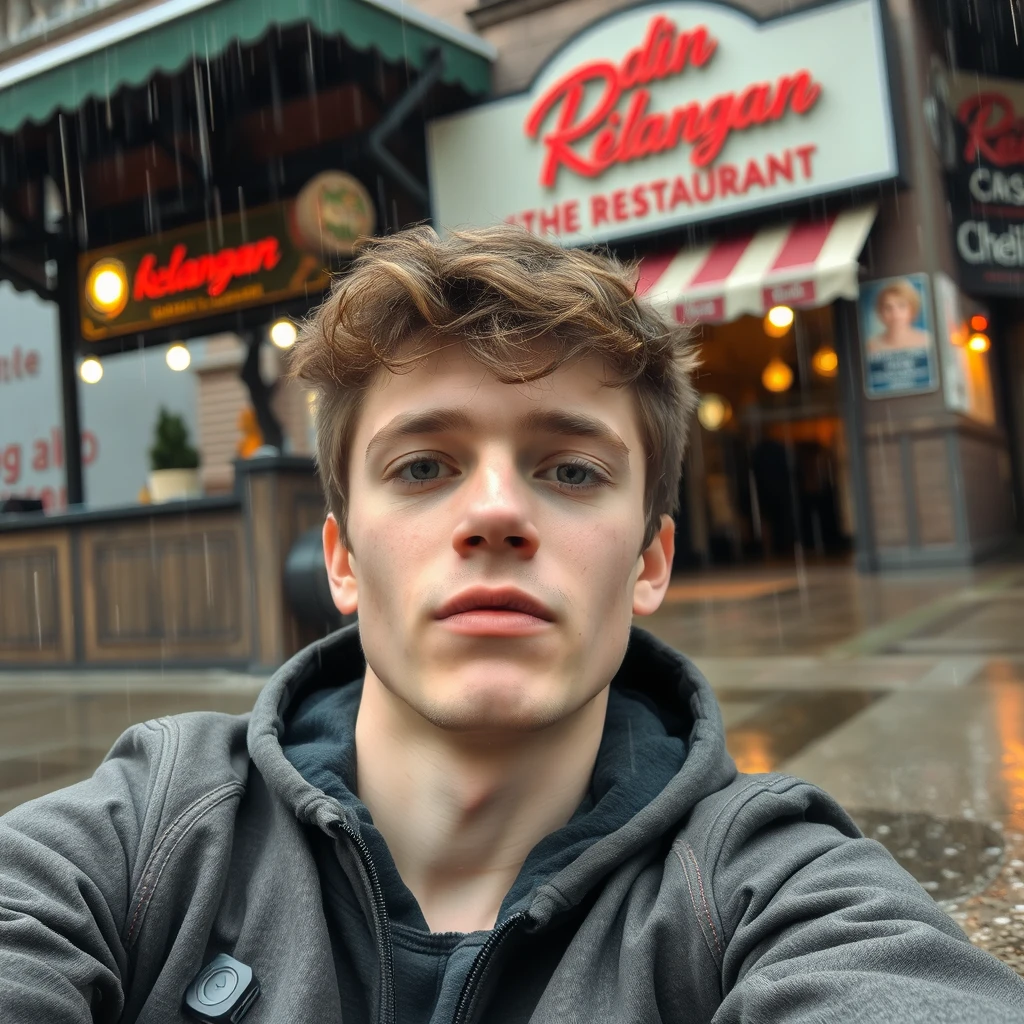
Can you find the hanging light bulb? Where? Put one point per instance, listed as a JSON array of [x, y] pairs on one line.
[[978, 342], [91, 370], [778, 321], [283, 333], [178, 357], [777, 376], [713, 411], [825, 361]]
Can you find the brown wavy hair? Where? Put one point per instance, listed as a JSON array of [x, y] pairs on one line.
[[521, 306]]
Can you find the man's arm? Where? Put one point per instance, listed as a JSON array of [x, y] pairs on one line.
[[824, 926], [66, 866]]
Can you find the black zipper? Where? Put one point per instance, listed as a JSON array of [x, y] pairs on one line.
[[384, 947], [481, 963]]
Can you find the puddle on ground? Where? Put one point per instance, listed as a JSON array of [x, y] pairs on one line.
[[948, 856]]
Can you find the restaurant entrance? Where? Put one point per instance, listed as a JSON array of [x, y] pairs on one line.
[[767, 478]]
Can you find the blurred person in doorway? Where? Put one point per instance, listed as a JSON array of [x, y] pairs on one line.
[[493, 798]]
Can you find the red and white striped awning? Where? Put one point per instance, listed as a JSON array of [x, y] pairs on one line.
[[800, 263]]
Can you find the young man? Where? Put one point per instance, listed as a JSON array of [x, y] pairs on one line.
[[493, 800]]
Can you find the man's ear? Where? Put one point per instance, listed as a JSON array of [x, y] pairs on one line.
[[655, 570], [340, 570]]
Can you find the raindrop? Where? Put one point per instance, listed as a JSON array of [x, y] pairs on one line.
[[993, 851], [950, 851], [882, 830], [1000, 920]]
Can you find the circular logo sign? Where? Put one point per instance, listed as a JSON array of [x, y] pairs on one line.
[[332, 211]]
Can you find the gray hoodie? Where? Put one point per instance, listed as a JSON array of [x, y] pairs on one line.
[[728, 898]]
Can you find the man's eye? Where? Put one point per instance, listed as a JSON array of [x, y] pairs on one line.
[[574, 475], [421, 471]]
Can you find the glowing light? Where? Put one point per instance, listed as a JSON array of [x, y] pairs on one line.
[[978, 342], [778, 321], [825, 361], [91, 370], [713, 411], [283, 333], [106, 287], [979, 323], [178, 357], [777, 376]]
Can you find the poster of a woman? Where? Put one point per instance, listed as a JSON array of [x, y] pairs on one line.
[[899, 346]]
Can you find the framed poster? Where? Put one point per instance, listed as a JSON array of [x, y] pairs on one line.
[[897, 337]]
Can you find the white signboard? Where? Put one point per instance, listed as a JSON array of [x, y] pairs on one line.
[[669, 114], [966, 375], [117, 414]]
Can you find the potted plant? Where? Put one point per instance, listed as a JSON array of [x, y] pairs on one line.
[[174, 463]]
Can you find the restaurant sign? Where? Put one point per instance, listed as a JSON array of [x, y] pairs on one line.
[[668, 114], [268, 254], [986, 183]]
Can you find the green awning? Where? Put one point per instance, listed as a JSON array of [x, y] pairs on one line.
[[165, 38]]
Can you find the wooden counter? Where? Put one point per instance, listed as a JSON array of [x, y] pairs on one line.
[[191, 583]]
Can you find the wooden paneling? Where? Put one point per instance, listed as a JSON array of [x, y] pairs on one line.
[[36, 623], [166, 589], [933, 490], [887, 493]]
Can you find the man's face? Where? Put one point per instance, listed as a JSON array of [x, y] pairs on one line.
[[461, 486]]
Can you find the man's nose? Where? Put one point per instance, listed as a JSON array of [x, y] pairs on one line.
[[497, 515]]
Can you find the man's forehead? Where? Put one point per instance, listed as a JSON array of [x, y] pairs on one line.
[[453, 379]]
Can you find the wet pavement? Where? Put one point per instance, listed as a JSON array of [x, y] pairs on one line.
[[902, 696]]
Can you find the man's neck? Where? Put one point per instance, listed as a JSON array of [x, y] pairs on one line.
[[461, 814]]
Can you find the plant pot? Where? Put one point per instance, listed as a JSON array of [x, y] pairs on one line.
[[173, 484]]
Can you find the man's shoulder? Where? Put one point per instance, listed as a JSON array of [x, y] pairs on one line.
[[750, 805], [204, 744]]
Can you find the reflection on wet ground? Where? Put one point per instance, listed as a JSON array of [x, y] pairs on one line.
[[55, 737], [777, 725], [870, 687], [949, 857]]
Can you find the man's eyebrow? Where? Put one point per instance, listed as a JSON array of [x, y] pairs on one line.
[[574, 424], [540, 421]]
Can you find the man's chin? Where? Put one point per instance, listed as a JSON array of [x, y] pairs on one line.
[[490, 703]]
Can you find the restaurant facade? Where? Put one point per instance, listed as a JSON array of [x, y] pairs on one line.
[[775, 174], [185, 178]]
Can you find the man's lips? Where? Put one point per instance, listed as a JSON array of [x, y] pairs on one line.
[[508, 600]]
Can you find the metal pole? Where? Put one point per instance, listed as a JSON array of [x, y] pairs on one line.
[[67, 315]]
